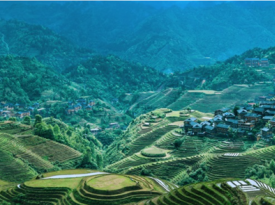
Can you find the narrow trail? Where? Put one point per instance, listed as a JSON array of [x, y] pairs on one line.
[[5, 43]]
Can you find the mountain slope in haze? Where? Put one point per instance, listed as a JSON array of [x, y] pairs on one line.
[[22, 39], [110, 76], [167, 38]]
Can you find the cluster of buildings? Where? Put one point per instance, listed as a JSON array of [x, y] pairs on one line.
[[246, 118], [17, 110], [256, 62], [81, 103]]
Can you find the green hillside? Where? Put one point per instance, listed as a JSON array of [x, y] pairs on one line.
[[24, 155], [176, 99], [24, 80], [75, 187], [94, 188], [230, 191], [168, 36], [35, 41]]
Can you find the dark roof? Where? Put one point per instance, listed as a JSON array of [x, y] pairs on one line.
[[205, 123], [223, 126], [251, 115], [270, 112], [209, 127], [233, 121], [228, 114], [268, 118], [192, 123], [197, 125], [259, 109]]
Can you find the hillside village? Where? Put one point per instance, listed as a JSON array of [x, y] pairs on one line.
[[255, 120]]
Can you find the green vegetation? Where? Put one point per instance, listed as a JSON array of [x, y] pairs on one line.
[[36, 41], [153, 152], [98, 189], [155, 35]]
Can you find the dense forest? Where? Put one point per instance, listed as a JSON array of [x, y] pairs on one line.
[[22, 39]]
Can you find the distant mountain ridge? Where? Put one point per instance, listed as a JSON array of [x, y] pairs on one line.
[[167, 37]]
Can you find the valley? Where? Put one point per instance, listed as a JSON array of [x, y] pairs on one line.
[[163, 104]]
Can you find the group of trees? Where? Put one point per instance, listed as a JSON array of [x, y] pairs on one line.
[[78, 138], [264, 172]]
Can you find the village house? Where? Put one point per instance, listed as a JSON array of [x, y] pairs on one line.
[[205, 123], [209, 130], [114, 125], [269, 113], [6, 113], [22, 114], [221, 111], [91, 103], [229, 115], [245, 126], [252, 62], [232, 122], [241, 113], [259, 110], [70, 110], [197, 128], [31, 109], [81, 101], [187, 123], [9, 106], [89, 107], [222, 128], [272, 122], [267, 103], [252, 117], [264, 62], [266, 132], [267, 118], [217, 119], [36, 105], [95, 131]]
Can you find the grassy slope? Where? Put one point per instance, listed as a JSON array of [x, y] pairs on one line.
[[201, 100], [31, 154]]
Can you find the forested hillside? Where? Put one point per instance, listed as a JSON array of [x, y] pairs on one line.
[[164, 37], [110, 76], [24, 80], [22, 39]]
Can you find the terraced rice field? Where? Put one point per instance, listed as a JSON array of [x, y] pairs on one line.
[[25, 150], [165, 169], [134, 160], [222, 192], [149, 138], [104, 189], [227, 166]]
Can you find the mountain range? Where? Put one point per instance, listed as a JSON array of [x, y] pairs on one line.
[[169, 37]]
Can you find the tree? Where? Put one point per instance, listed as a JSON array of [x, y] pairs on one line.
[[236, 108], [38, 119], [272, 166], [56, 129], [99, 160], [178, 142], [27, 120]]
